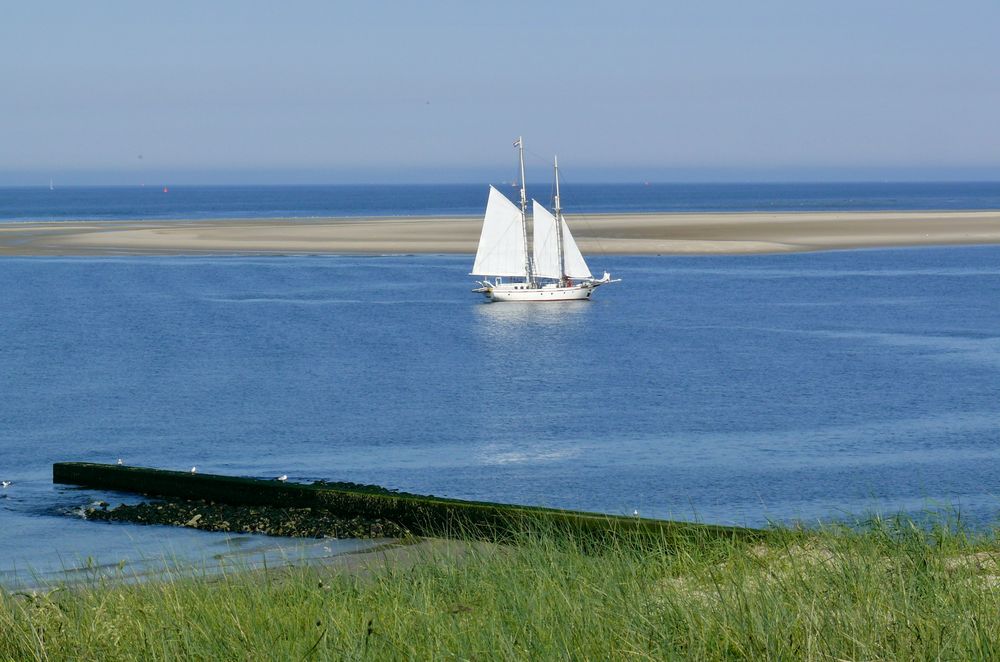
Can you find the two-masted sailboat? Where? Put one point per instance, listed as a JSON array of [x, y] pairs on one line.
[[554, 268]]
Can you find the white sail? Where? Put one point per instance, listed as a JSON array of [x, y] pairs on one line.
[[576, 266], [545, 243], [546, 247], [501, 244]]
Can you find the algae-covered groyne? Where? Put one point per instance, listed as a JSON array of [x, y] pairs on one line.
[[421, 515]]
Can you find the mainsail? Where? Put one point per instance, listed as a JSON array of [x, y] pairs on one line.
[[501, 244], [546, 247]]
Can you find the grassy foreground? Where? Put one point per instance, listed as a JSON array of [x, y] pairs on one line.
[[889, 590]]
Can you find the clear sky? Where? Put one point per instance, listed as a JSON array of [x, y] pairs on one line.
[[347, 92]]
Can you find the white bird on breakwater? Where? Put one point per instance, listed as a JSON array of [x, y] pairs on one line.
[[194, 470], [283, 477]]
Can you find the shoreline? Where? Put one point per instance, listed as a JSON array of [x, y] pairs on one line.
[[714, 233]]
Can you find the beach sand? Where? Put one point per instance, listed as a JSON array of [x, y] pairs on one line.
[[688, 234]]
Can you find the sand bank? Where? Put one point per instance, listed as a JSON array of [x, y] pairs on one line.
[[710, 233]]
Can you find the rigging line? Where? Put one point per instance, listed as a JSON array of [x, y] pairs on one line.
[[593, 232], [543, 160], [531, 158], [538, 157], [535, 159]]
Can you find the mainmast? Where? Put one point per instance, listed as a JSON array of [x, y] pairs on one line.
[[530, 278], [559, 231]]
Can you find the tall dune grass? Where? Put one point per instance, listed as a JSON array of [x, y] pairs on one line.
[[887, 590]]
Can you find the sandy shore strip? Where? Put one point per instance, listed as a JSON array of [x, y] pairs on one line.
[[626, 234]]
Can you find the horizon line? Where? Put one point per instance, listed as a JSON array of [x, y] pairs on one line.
[[587, 182]]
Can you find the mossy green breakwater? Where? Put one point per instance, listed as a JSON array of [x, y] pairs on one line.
[[421, 515]]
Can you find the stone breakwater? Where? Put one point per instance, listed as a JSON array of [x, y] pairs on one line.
[[272, 521], [349, 509]]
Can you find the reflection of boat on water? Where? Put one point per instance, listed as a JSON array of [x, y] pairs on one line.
[[553, 271], [536, 316], [556, 327]]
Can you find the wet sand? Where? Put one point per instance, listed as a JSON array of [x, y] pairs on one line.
[[635, 234]]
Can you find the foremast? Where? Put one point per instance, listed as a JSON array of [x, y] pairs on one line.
[[529, 273]]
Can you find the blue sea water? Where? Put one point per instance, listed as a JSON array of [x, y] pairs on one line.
[[727, 389], [203, 202]]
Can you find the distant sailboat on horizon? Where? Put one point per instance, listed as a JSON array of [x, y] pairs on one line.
[[554, 270], [51, 187]]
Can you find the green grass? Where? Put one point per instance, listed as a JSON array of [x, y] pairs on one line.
[[888, 590]]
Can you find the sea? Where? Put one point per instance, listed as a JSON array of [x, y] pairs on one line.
[[169, 202], [747, 390]]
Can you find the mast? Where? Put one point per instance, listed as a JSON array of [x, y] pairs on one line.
[[530, 278], [559, 231]]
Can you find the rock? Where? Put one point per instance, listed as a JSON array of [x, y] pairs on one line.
[[270, 520]]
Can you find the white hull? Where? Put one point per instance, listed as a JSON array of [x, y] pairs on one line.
[[497, 291], [521, 292]]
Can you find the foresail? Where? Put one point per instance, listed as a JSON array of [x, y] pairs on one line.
[[545, 246], [576, 266], [501, 244]]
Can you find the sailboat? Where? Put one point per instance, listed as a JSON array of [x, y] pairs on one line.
[[554, 268]]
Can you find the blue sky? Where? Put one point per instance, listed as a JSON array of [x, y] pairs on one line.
[[331, 92]]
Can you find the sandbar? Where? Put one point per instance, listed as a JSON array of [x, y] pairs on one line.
[[623, 234]]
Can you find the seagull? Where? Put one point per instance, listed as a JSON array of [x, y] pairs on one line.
[[6, 484], [120, 463], [283, 477], [194, 470]]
